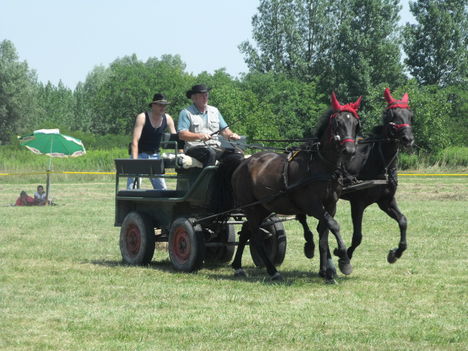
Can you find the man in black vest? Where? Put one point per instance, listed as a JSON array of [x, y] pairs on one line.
[[147, 133]]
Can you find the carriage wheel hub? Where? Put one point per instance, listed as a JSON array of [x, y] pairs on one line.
[[133, 239]]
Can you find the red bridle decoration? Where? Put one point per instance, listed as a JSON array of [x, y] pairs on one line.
[[351, 107]]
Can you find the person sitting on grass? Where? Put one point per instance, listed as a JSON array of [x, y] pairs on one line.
[[24, 200], [40, 196]]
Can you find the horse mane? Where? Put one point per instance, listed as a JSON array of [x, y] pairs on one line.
[[322, 124], [377, 131]]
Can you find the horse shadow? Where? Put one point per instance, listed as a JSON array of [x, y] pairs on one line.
[[212, 271], [256, 275], [163, 266]]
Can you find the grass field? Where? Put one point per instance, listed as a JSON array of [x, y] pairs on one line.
[[63, 287]]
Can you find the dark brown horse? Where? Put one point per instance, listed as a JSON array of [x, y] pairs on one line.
[[305, 182], [376, 158]]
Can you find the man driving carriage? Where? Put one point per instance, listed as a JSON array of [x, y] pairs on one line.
[[199, 125]]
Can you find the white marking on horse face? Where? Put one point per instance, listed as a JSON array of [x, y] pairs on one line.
[[348, 116]]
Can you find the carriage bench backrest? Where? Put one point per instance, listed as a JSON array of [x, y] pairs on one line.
[[148, 168], [138, 168]]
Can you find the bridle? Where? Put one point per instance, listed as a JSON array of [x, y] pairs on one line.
[[397, 127], [333, 134]]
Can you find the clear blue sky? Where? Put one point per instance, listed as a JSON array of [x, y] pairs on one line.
[[64, 40]]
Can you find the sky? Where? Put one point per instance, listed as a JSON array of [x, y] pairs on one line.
[[64, 40]]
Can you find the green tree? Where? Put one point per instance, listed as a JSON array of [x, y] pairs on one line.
[[365, 50], [17, 93], [432, 107], [436, 46], [115, 96], [348, 45], [458, 121], [290, 37], [290, 108], [55, 107], [85, 99]]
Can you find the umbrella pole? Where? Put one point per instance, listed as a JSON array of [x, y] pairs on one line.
[[48, 179], [47, 187]]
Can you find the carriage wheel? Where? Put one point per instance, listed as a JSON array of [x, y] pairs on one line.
[[186, 246], [275, 244], [222, 254], [137, 239]]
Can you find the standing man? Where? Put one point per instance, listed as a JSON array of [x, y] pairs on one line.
[[199, 126], [147, 133]]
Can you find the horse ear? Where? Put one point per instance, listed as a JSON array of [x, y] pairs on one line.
[[356, 104], [405, 98], [388, 97], [334, 102]]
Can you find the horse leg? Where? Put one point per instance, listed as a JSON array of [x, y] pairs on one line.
[[357, 212], [309, 245], [256, 216], [327, 268], [344, 262], [257, 240], [244, 235], [391, 208]]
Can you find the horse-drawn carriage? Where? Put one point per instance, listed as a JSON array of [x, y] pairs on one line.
[[187, 217], [308, 181]]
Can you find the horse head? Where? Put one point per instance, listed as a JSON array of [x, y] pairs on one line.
[[344, 124], [397, 119]]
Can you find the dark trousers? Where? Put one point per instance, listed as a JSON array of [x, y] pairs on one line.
[[204, 154]]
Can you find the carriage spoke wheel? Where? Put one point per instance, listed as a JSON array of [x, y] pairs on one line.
[[181, 244], [274, 243], [186, 246], [133, 239], [226, 235], [137, 240]]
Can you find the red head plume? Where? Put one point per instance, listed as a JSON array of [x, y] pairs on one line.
[[357, 104], [351, 107], [393, 103], [334, 102]]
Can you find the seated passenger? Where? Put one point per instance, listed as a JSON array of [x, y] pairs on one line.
[[199, 125]]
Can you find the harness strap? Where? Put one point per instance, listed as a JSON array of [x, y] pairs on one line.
[[382, 158]]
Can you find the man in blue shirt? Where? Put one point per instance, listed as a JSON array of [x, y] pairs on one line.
[[199, 125]]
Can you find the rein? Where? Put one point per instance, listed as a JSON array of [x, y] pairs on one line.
[[269, 198], [382, 158]]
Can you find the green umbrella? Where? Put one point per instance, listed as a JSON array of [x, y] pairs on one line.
[[51, 143]]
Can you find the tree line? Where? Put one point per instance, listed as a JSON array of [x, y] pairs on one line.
[[302, 51]]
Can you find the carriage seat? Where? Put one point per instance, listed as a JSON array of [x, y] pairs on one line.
[[150, 193], [184, 161]]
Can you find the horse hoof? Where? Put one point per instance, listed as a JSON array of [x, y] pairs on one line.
[[391, 257], [277, 277], [345, 266], [308, 250], [330, 281], [240, 273]]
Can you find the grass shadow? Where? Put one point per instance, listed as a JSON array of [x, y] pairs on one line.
[[259, 275], [164, 266]]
